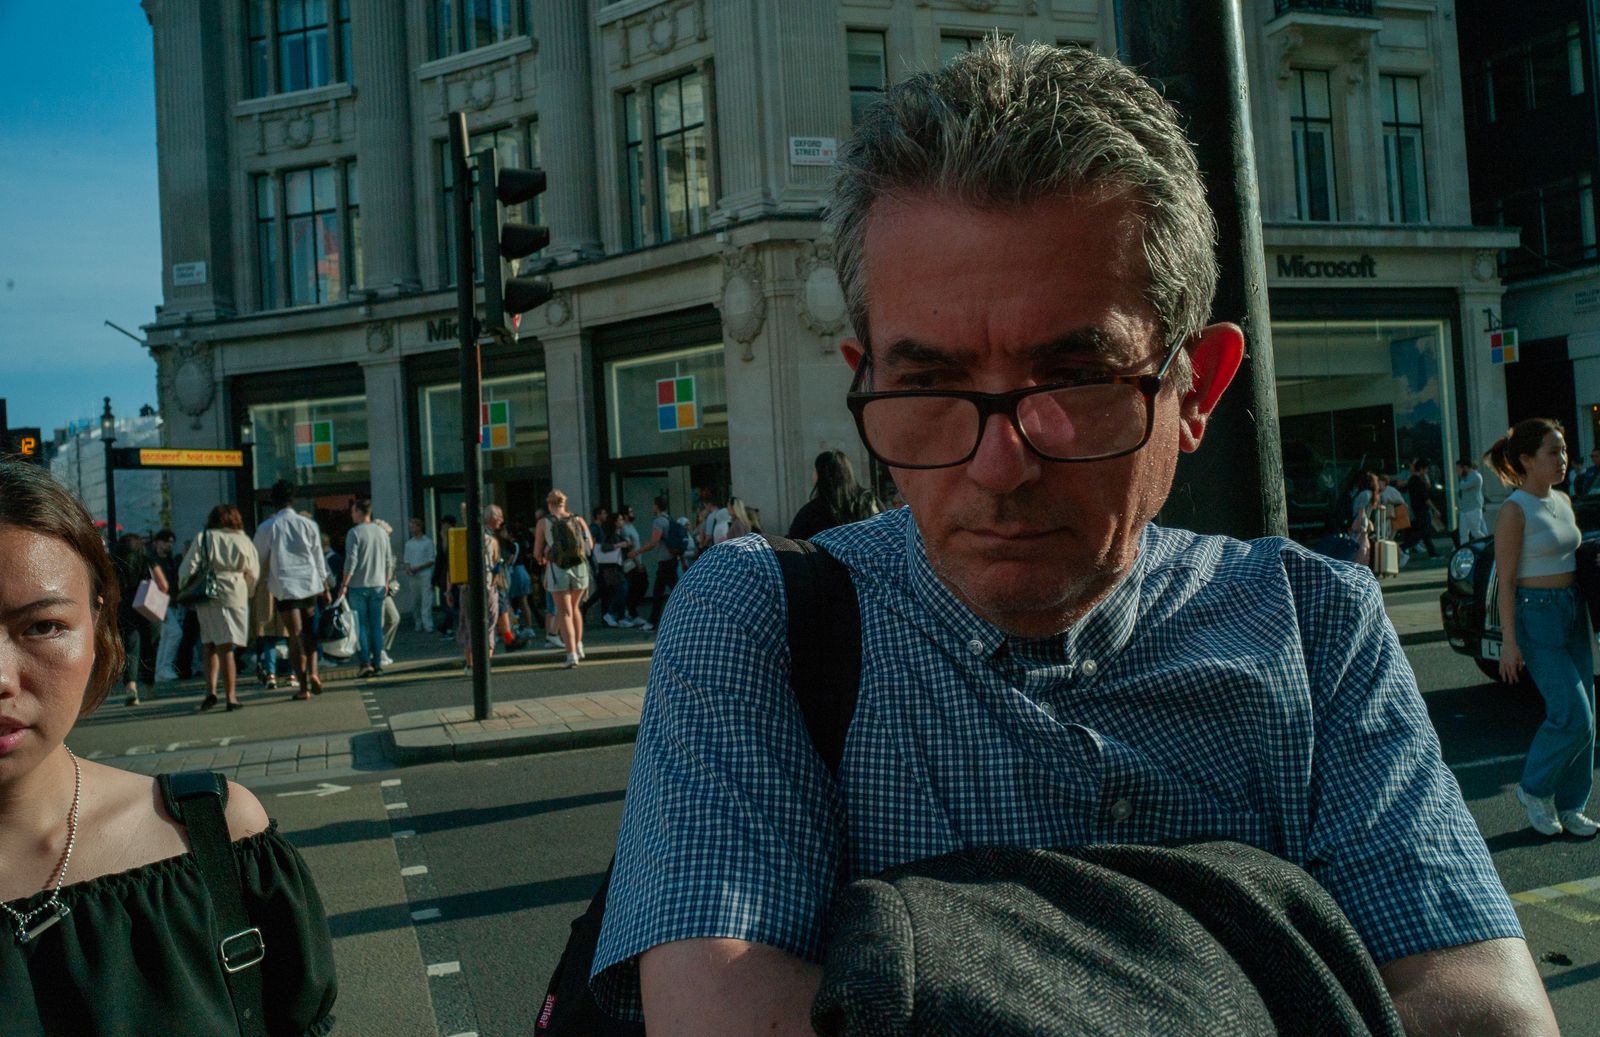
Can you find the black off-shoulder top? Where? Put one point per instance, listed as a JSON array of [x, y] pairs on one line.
[[136, 957]]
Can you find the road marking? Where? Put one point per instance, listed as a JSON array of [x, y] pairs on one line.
[[427, 914], [465, 1033], [1572, 900], [414, 869], [1492, 761], [1560, 889], [402, 805], [406, 833], [444, 968], [389, 783], [322, 790]]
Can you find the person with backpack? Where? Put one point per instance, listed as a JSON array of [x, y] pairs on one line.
[[563, 542], [1030, 263]]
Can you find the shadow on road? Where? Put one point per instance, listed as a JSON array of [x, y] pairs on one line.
[[482, 904], [446, 820]]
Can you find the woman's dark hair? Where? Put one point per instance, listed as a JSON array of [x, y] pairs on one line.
[[30, 499], [224, 516], [1522, 439], [837, 488]]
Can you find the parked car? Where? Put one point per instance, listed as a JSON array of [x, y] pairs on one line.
[[1470, 604]]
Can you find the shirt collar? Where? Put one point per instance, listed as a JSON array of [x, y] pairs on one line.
[[1099, 635]]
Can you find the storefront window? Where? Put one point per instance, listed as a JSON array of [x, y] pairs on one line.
[[667, 403], [517, 434], [1356, 397], [311, 442]]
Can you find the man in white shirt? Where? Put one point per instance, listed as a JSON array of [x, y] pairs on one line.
[[1469, 500], [290, 547], [418, 559]]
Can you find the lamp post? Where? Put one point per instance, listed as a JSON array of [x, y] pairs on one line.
[[108, 436], [245, 485]]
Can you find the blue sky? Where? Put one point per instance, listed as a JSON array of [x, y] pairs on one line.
[[79, 222]]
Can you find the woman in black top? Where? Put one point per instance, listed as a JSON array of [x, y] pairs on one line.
[[133, 566], [106, 925], [836, 498]]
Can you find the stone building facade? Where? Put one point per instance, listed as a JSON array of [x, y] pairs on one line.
[[693, 337]]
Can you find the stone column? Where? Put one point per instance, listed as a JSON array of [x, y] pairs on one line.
[[574, 451], [192, 135], [386, 442], [745, 173], [566, 129], [383, 148]]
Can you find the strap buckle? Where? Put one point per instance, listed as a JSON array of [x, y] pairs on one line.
[[249, 951]]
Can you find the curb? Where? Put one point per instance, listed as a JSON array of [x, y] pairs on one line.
[[408, 748]]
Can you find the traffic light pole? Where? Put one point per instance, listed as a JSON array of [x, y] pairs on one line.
[[1195, 50], [476, 589]]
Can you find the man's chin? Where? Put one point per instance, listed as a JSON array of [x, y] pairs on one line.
[[1016, 594]]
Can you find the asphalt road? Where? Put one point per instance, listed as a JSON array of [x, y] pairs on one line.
[[450, 886]]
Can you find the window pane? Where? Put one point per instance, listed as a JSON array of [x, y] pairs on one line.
[[864, 55], [316, 12], [1408, 97], [330, 253], [500, 15], [291, 15], [669, 109], [297, 192], [634, 425], [266, 198], [352, 185], [358, 270], [630, 117], [1410, 162], [258, 69], [267, 264], [1574, 61], [302, 261], [694, 106], [1316, 94], [1297, 92], [443, 28], [322, 188], [952, 47], [292, 62], [674, 196], [1318, 176], [635, 195], [481, 25], [317, 72], [1552, 80], [257, 18], [347, 66], [698, 178]]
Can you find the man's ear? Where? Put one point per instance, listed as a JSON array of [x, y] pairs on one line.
[[853, 352], [1217, 352]]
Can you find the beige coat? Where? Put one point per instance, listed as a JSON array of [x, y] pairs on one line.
[[234, 559]]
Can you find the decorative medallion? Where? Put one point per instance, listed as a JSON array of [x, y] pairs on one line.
[[744, 305], [380, 336], [1485, 267], [820, 301], [188, 379], [480, 90], [558, 310], [299, 129], [662, 30]]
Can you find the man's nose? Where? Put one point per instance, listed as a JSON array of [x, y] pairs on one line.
[[1003, 461]]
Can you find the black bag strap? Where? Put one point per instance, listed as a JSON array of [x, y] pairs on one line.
[[198, 801], [824, 641]]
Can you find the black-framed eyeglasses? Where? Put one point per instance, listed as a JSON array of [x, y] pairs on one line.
[[1093, 418]]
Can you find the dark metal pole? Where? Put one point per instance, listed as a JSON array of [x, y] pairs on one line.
[[108, 436], [476, 587], [1195, 50]]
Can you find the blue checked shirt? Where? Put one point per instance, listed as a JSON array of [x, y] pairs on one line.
[[1248, 691]]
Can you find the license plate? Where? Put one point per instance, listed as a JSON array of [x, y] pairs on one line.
[[1489, 649]]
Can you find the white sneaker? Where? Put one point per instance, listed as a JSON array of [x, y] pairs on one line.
[[1541, 812], [384, 660], [581, 653], [608, 619], [644, 624], [1577, 823], [553, 641], [572, 660]]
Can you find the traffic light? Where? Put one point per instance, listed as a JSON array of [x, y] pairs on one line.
[[505, 299]]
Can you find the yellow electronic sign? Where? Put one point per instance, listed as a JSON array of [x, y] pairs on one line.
[[180, 458]]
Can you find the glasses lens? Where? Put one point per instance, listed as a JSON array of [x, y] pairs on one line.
[[1085, 421], [918, 431]]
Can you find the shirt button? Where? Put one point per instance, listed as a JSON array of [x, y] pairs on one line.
[[975, 646], [1088, 667], [1048, 710], [1121, 810]]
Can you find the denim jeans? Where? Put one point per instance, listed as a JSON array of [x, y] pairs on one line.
[[1553, 633], [367, 605], [267, 657]]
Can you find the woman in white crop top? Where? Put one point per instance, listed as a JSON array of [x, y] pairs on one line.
[[1544, 625]]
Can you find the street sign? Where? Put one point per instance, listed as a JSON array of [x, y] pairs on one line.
[[179, 457]]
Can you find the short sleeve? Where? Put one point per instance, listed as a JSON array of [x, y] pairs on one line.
[[1390, 837], [732, 826]]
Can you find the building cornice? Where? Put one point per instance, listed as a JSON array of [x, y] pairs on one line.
[[1387, 236], [474, 58], [293, 99]]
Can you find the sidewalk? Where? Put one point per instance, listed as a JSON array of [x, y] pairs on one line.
[[521, 726]]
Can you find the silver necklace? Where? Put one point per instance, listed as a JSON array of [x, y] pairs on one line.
[[20, 920]]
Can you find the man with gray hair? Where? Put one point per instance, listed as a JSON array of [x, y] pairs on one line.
[[1028, 256]]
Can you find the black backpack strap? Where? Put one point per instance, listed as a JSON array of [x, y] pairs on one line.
[[198, 801], [824, 641]]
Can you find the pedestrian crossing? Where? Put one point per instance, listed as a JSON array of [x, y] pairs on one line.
[[1577, 901]]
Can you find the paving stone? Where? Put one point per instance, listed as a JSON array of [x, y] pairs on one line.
[[282, 766], [256, 754], [246, 771], [338, 761]]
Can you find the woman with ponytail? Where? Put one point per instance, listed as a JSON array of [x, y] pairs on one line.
[[1543, 623]]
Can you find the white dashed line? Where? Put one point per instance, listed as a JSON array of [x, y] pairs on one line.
[[427, 914], [1492, 761], [405, 833], [414, 869], [444, 968], [402, 805], [389, 783]]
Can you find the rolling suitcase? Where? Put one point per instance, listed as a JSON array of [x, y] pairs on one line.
[[1386, 558]]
